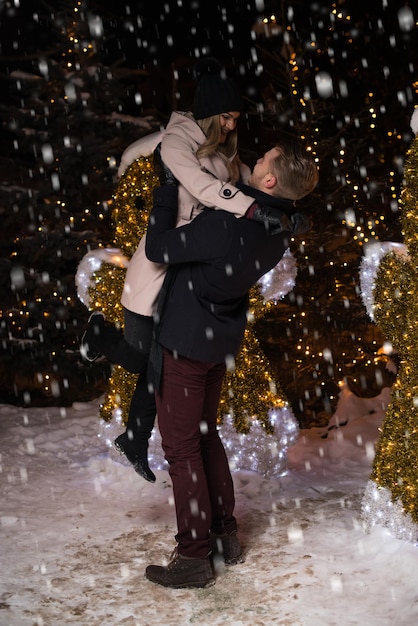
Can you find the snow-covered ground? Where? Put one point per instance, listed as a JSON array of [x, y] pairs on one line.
[[78, 528]]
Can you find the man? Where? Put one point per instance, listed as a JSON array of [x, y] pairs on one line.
[[215, 260]]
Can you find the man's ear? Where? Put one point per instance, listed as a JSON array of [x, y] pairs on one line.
[[270, 181]]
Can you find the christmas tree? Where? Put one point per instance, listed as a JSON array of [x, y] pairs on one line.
[[253, 405], [325, 74], [391, 498], [63, 133]]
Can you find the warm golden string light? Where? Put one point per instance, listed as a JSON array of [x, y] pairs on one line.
[[250, 391], [396, 311], [132, 203]]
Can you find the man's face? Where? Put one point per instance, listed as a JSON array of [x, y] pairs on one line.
[[228, 122], [262, 168]]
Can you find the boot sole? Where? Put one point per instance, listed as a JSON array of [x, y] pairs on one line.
[[189, 585], [236, 561], [150, 477]]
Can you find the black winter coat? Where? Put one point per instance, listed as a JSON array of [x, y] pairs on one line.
[[216, 259]]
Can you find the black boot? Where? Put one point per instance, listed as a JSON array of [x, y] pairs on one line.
[[182, 572], [90, 340], [227, 548], [138, 460]]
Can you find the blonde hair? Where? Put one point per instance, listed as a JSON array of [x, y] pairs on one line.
[[211, 127], [295, 169]]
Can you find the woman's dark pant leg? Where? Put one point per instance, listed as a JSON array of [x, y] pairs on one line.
[[128, 348], [142, 410]]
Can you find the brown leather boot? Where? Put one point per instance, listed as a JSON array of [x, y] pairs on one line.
[[182, 572], [227, 548]]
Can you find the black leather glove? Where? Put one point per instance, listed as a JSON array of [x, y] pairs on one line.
[[300, 223], [274, 219], [165, 175]]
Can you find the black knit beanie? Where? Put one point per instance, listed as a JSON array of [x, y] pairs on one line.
[[215, 92]]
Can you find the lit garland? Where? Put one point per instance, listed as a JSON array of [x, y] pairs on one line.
[[391, 498], [374, 252], [249, 391], [132, 203], [245, 397]]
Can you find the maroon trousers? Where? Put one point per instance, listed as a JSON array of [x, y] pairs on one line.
[[187, 407]]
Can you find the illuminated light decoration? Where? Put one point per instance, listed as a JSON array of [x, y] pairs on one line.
[[255, 452], [280, 280], [252, 403], [101, 273], [374, 252], [90, 264], [391, 497]]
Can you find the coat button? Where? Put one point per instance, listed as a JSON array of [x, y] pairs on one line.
[[227, 193]]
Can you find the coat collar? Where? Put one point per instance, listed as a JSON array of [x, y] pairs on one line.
[[266, 199]]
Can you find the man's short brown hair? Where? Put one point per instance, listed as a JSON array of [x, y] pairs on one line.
[[295, 169]]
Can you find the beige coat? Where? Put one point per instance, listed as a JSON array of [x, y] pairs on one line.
[[201, 184]]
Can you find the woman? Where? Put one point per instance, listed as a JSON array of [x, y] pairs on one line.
[[200, 149]]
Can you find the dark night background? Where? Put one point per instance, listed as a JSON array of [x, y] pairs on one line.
[[80, 81]]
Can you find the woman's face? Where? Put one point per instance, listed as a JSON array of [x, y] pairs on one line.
[[228, 122]]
